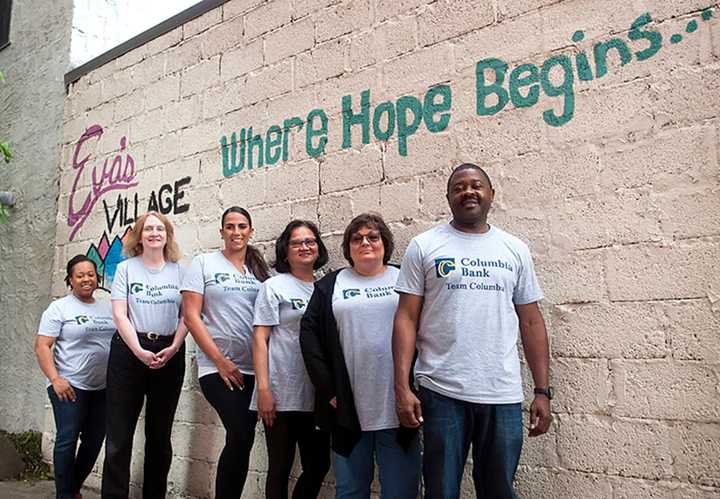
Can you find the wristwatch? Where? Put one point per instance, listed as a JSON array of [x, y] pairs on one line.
[[549, 392]]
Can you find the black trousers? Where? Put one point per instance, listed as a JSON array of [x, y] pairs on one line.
[[239, 421], [129, 383], [290, 429]]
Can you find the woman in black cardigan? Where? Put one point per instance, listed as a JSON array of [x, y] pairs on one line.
[[346, 341]]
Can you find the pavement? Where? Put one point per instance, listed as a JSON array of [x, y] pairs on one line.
[[36, 490]]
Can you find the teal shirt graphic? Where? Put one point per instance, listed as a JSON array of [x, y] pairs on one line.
[[443, 266]]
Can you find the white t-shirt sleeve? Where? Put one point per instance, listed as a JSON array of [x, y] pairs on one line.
[[193, 279], [412, 276], [527, 289], [267, 307], [51, 322], [119, 287]]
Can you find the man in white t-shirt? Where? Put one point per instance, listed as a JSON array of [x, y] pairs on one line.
[[466, 289]]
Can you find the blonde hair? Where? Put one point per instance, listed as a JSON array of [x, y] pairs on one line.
[[133, 246]]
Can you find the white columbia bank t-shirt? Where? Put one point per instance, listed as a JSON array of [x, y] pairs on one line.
[[364, 308], [82, 333], [228, 303], [281, 303], [152, 295], [467, 339]]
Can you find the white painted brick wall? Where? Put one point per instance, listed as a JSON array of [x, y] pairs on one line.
[[619, 205]]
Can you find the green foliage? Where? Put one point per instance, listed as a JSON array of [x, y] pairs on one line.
[[6, 153], [29, 446]]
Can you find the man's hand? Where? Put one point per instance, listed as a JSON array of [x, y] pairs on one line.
[[63, 390], [408, 408], [539, 416]]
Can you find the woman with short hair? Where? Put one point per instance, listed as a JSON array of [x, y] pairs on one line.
[[284, 396], [72, 347], [219, 294], [346, 340], [147, 357]]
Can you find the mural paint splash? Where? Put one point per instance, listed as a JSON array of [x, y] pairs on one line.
[[107, 255]]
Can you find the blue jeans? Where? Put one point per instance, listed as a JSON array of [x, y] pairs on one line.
[[495, 432], [83, 419], [399, 469]]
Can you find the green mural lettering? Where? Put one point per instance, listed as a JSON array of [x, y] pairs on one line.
[[525, 75], [350, 118], [565, 89], [654, 38], [287, 125], [581, 59], [273, 145], [405, 127], [601, 51], [431, 108], [235, 162], [483, 90], [386, 108], [311, 133], [254, 142], [497, 84]]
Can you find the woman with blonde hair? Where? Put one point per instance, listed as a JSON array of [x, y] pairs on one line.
[[147, 356]]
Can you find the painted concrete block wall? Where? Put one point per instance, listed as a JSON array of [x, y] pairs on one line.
[[603, 148], [31, 111]]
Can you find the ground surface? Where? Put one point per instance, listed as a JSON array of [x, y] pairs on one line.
[[35, 490]]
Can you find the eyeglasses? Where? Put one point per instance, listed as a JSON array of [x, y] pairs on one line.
[[372, 238], [299, 243]]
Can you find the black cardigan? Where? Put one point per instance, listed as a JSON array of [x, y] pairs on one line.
[[325, 364]]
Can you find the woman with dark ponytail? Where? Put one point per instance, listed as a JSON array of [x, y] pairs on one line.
[[219, 294]]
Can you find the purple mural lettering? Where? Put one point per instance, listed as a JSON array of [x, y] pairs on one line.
[[119, 176]]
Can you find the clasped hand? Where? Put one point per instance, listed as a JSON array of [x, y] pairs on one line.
[[157, 360]]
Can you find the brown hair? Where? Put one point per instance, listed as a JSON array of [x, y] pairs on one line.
[[133, 247], [253, 258], [371, 221]]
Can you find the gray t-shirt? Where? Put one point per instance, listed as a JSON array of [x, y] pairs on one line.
[[228, 301], [281, 304], [467, 339], [364, 308], [152, 295], [82, 333]]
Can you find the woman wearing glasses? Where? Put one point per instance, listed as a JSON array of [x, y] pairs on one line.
[[346, 340], [284, 396]]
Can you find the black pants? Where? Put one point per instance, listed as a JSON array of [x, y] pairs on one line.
[[129, 383], [239, 422], [289, 429]]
